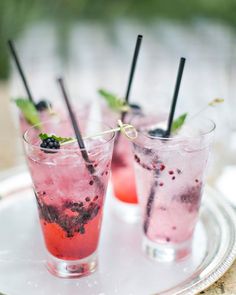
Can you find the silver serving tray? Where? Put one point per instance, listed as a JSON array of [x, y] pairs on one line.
[[123, 269]]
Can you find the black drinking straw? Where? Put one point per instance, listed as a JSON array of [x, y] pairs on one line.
[[132, 70], [19, 67], [76, 127], [151, 196], [175, 96], [133, 66], [131, 76]]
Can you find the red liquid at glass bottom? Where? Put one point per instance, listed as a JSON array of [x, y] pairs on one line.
[[71, 230]]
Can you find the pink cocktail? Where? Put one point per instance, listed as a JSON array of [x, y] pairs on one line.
[[70, 197], [170, 175], [123, 176]]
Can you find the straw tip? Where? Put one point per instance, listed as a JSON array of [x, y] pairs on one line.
[[59, 79], [10, 42], [183, 59], [140, 36]]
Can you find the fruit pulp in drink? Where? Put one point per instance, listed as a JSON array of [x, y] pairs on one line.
[[170, 181], [70, 199]]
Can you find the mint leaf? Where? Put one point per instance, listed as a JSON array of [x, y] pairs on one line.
[[28, 110], [115, 103], [43, 136], [177, 123]]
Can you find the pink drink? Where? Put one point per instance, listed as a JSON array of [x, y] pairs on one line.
[[123, 176], [170, 176], [70, 198]]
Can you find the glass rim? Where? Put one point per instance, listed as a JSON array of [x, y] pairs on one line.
[[62, 149], [180, 138]]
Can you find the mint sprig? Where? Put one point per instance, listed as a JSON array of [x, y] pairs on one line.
[[114, 102], [178, 122], [28, 110], [60, 139]]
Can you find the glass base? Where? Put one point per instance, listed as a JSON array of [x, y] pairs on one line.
[[129, 213], [71, 268], [167, 252]]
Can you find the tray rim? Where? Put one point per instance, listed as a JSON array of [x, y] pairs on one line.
[[216, 197]]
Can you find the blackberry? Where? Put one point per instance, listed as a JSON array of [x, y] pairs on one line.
[[135, 106], [158, 132], [43, 105], [50, 143]]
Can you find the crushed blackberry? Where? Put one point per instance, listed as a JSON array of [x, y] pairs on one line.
[[50, 143], [43, 105], [192, 198], [162, 167], [137, 159], [85, 216], [49, 213], [94, 210], [81, 230], [75, 207], [69, 234], [70, 224]]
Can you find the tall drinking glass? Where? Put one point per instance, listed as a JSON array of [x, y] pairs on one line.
[[123, 176], [170, 175], [69, 196]]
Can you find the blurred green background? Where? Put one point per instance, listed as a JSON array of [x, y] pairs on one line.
[[15, 15], [91, 43]]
